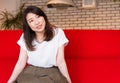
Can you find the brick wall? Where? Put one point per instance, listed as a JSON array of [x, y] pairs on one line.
[[105, 16]]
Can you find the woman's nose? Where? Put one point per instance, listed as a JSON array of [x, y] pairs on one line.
[[36, 21]]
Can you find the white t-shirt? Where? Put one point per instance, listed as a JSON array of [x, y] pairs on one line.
[[46, 52]]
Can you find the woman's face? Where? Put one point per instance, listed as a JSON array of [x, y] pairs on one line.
[[36, 22]]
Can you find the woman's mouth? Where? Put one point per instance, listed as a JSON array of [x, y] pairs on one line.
[[39, 27]]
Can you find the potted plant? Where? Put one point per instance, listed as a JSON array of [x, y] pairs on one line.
[[10, 21]]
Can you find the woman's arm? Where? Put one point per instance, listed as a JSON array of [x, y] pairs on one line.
[[62, 64], [19, 65]]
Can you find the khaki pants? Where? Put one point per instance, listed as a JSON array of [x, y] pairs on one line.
[[33, 74]]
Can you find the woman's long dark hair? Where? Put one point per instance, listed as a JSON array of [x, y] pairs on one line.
[[29, 34]]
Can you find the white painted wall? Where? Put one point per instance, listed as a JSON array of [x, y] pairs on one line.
[[9, 5]]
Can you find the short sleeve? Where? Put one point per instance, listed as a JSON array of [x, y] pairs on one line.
[[62, 38], [21, 42]]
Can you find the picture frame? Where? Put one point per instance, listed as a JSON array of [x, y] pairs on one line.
[[89, 4]]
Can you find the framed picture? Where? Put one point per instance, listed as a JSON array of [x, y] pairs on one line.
[[88, 4]]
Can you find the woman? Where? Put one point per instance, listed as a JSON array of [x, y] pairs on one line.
[[42, 47]]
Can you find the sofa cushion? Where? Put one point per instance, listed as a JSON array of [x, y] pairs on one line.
[[94, 70]]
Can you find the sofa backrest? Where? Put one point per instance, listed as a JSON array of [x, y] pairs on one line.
[[8, 43], [82, 43], [93, 43]]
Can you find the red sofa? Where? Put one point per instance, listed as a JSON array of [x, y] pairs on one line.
[[92, 56]]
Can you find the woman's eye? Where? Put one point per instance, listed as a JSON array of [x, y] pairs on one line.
[[30, 21]]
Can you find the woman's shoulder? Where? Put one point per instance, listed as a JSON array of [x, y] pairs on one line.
[[58, 31]]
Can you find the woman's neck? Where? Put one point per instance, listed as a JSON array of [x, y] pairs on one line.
[[40, 37]]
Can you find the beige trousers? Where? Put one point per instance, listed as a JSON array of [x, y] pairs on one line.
[[33, 74]]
